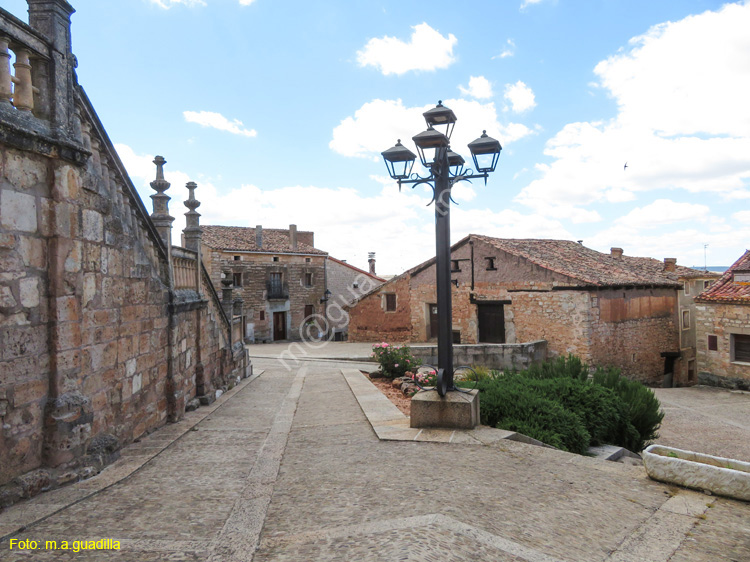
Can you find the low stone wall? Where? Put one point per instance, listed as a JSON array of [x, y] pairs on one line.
[[503, 356]]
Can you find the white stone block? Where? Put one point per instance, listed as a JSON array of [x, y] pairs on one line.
[[130, 367], [18, 211], [29, 292], [137, 382], [93, 226]]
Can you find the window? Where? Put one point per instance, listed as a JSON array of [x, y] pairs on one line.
[[237, 258], [276, 258], [355, 285], [308, 279], [686, 288], [685, 319], [309, 310], [491, 264], [262, 315], [455, 266], [740, 344], [237, 277], [456, 336], [707, 284], [390, 302], [713, 343], [307, 260]]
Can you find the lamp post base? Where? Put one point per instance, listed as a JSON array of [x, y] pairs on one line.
[[455, 410]]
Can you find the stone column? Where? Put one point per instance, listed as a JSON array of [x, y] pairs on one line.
[[51, 18], [160, 217], [6, 92], [227, 285]]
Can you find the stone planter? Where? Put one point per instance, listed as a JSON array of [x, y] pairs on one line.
[[725, 477]]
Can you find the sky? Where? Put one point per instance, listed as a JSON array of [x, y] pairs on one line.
[[280, 110]]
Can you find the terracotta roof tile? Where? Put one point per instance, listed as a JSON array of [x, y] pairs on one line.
[[589, 267], [275, 240], [725, 289]]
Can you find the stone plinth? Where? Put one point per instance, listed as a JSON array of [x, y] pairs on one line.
[[455, 410]]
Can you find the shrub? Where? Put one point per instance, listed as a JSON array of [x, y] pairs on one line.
[[641, 405], [395, 360], [510, 402], [562, 367], [426, 378]]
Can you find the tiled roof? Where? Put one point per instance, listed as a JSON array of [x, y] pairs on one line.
[[589, 267], [725, 289], [275, 240]]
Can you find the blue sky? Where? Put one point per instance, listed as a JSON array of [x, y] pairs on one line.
[[279, 110]]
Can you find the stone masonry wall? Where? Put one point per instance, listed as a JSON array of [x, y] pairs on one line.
[[256, 268], [631, 328], [716, 367]]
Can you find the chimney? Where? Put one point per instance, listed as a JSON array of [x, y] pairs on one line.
[[371, 261], [259, 237], [669, 264], [616, 253], [293, 236]]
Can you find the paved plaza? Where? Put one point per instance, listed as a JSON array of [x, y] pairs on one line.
[[287, 467]]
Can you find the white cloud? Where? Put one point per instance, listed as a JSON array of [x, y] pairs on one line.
[[426, 50], [682, 122], [664, 211], [246, 2], [526, 3], [742, 216], [479, 88], [520, 96], [378, 124], [345, 229], [166, 4], [508, 51], [218, 121]]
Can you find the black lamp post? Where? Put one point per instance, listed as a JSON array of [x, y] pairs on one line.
[[446, 169]]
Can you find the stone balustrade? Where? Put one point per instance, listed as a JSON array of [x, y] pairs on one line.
[[22, 84], [185, 269]]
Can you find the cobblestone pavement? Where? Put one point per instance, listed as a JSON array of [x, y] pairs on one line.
[[290, 466]]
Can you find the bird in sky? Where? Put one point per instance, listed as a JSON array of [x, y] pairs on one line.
[[625, 167]]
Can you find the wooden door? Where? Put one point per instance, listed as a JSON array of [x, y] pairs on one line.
[[491, 323], [279, 326], [432, 308]]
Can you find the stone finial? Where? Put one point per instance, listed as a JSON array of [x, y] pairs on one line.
[[52, 19], [192, 230], [160, 216]]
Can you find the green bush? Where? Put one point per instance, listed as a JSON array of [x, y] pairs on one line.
[[641, 405], [395, 360], [510, 402], [608, 407]]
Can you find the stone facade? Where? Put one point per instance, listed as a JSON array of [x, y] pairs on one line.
[[723, 329], [609, 310], [346, 284], [281, 281], [97, 344]]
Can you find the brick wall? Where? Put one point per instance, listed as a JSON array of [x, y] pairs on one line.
[[370, 322], [717, 367]]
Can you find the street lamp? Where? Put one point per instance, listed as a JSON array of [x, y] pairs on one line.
[[446, 168]]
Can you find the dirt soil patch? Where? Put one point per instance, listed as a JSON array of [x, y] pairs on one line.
[[393, 394]]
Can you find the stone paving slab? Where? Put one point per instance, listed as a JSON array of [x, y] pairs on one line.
[[300, 475]]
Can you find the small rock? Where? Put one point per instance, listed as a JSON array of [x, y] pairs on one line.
[[396, 383], [376, 375], [192, 405]]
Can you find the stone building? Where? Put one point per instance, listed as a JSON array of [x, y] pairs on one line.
[[694, 282], [609, 309], [723, 328], [346, 284], [278, 273], [107, 331]]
